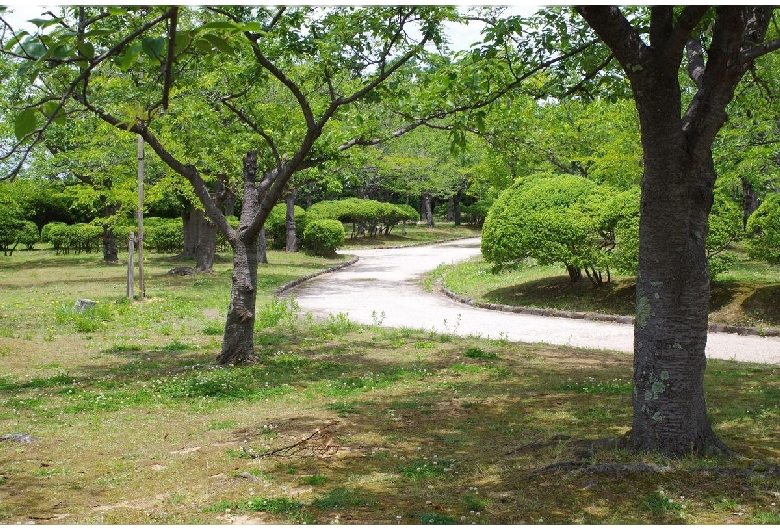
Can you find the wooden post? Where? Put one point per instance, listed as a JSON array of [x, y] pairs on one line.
[[130, 267], [141, 168]]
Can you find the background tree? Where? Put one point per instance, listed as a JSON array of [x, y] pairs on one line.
[[314, 61]]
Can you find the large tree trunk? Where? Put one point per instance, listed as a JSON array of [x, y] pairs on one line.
[[291, 244], [190, 227], [110, 249], [200, 239], [673, 279], [238, 341], [456, 208]]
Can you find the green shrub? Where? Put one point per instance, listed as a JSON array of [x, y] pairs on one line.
[[165, 238], [477, 212], [764, 227], [557, 219], [28, 234], [366, 215], [82, 237], [47, 228], [323, 236], [276, 225]]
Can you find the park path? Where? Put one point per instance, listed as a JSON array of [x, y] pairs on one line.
[[384, 286]]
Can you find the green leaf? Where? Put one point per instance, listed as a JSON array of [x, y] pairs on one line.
[[219, 43], [14, 41], [116, 11], [203, 45], [153, 47], [34, 49], [49, 109], [221, 24], [44, 22], [86, 49], [183, 40], [62, 51], [255, 27], [26, 122]]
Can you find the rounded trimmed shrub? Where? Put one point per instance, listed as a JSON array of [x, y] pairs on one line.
[[322, 237]]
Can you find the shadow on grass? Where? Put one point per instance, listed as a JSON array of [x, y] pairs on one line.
[[423, 429], [557, 292], [764, 305], [618, 297]]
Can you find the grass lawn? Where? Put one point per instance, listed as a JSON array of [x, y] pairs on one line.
[[131, 421], [747, 295], [414, 235]]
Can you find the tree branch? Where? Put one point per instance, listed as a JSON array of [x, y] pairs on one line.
[[174, 12]]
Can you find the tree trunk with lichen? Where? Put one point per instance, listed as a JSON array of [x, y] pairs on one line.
[[673, 278], [672, 293]]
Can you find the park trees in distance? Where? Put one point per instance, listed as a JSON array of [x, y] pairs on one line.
[[283, 75]]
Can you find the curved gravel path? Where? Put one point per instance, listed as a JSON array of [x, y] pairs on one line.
[[384, 287]]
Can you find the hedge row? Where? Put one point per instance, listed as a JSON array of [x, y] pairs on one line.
[[366, 215]]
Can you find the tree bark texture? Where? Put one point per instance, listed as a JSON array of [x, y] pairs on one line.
[[673, 280], [110, 248], [291, 243], [238, 341], [206, 246], [262, 247], [426, 210], [749, 200]]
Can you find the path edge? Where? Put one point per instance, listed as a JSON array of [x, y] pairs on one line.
[[599, 317]]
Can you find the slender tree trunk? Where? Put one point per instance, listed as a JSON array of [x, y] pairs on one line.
[[426, 210], [291, 244], [451, 209], [230, 203], [238, 341], [262, 247], [206, 246], [110, 249], [190, 227], [749, 200], [456, 209]]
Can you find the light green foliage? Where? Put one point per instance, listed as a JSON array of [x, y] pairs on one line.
[[28, 235], [276, 224], [477, 211], [373, 216], [556, 219], [322, 237], [598, 140], [764, 227], [165, 237], [12, 225], [725, 227], [81, 237]]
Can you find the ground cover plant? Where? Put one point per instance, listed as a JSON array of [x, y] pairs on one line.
[[131, 420], [746, 295]]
